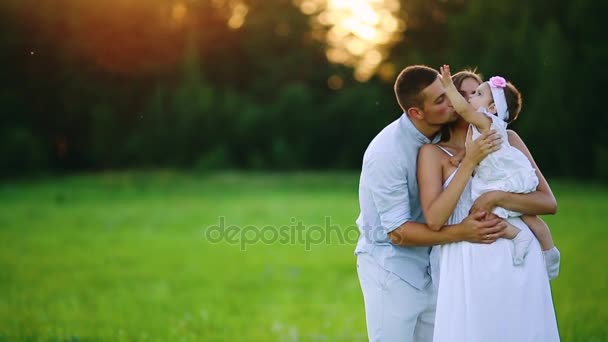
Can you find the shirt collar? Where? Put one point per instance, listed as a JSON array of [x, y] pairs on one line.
[[406, 125]]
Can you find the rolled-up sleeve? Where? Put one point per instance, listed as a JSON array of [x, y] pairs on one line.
[[388, 186]]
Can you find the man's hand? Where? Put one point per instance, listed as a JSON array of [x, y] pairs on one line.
[[474, 229], [477, 150], [486, 202]]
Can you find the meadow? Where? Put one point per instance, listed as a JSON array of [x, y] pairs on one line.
[[176, 256]]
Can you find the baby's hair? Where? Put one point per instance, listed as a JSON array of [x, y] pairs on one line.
[[514, 100]]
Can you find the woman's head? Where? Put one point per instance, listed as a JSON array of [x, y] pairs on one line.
[[484, 97], [466, 81]]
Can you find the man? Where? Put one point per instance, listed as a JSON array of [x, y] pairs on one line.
[[392, 252]]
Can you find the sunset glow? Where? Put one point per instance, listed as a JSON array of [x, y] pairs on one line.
[[238, 11], [132, 36], [129, 36], [359, 32]]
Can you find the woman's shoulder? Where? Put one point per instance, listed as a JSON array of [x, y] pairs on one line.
[[433, 152], [436, 158], [430, 149]]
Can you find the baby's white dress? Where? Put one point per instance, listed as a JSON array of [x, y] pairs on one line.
[[507, 169]]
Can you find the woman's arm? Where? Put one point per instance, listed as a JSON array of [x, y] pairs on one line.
[[473, 228], [437, 203], [539, 202]]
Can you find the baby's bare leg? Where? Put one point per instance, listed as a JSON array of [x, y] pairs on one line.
[[511, 231], [541, 230], [543, 234], [521, 241]]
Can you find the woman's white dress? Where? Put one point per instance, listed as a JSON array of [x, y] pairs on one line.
[[483, 297]]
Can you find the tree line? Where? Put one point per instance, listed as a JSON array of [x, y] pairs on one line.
[[84, 90]]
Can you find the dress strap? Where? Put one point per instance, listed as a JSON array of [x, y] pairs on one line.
[[445, 150]]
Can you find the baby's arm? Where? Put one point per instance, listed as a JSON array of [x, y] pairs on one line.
[[541, 230], [462, 107]]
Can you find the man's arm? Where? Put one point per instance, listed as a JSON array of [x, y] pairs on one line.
[[389, 192], [539, 202], [472, 229]]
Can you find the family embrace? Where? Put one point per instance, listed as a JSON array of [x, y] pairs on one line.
[[451, 248]]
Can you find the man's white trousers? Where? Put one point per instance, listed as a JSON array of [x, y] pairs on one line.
[[395, 310]]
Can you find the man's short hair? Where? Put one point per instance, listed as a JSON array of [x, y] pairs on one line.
[[411, 82]]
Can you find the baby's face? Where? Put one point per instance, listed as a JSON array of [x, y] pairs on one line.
[[482, 97]]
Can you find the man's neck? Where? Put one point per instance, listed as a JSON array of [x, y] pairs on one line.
[[429, 131]]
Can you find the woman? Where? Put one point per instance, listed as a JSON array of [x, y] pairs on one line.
[[481, 295]]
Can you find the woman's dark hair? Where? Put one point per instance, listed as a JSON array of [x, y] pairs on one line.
[[460, 76]]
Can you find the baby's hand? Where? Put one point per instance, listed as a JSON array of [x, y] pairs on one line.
[[446, 76]]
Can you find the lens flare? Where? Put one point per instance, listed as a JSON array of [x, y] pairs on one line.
[[359, 33]]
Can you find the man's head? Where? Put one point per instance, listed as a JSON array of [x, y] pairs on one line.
[[422, 96]]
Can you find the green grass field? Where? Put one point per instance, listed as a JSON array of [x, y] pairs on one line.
[[132, 256]]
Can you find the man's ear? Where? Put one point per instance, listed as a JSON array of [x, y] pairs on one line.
[[416, 113], [492, 108]]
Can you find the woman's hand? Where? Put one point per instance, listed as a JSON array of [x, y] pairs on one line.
[[477, 150], [486, 202]]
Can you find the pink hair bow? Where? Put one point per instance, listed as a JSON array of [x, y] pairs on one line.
[[497, 82], [497, 85]]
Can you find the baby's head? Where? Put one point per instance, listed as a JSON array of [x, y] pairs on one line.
[[499, 97]]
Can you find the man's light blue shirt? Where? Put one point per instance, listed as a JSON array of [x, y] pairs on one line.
[[388, 198]]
